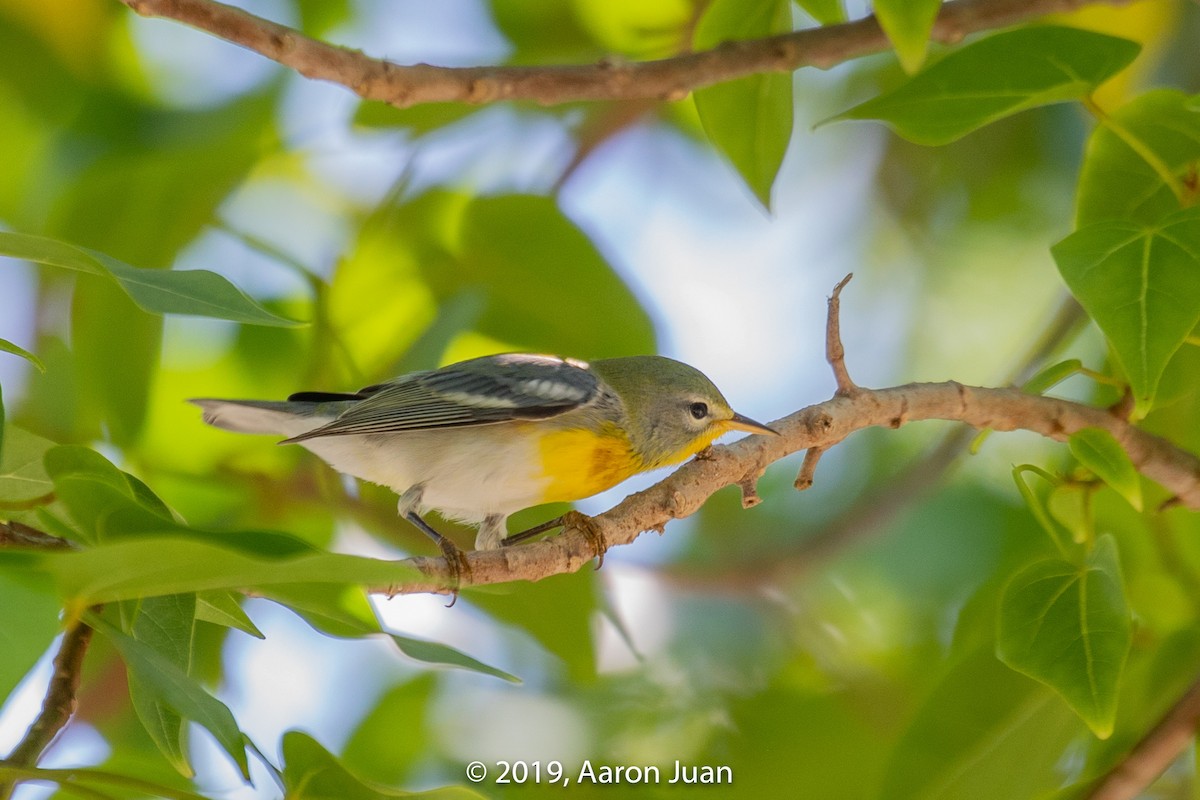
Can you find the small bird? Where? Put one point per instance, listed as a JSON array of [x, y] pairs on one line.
[[481, 439]]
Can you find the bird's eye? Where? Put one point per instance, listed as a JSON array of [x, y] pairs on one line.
[[698, 410]]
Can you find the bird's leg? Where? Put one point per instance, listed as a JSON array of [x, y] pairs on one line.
[[456, 560], [491, 533], [572, 519], [517, 538]]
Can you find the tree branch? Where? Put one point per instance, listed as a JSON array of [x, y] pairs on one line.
[[58, 705], [666, 79], [820, 426], [815, 429]]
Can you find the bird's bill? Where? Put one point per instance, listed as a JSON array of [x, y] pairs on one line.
[[739, 423]]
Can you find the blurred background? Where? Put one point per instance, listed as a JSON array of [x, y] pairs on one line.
[[813, 641]]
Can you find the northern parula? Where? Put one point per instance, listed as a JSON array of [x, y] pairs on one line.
[[480, 439]]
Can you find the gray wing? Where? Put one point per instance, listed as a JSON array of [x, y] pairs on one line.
[[476, 392]]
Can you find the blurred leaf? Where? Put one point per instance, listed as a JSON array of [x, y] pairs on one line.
[[310, 772], [749, 119], [155, 565], [507, 246], [445, 655], [222, 608], [1068, 626], [1051, 376], [8, 347], [907, 24], [995, 77], [26, 635], [344, 611], [165, 625], [317, 17], [173, 688], [113, 365], [23, 478], [979, 721], [1099, 451], [390, 740], [1141, 284], [826, 12], [195, 292], [544, 31], [419, 119], [557, 612], [635, 28], [1116, 181], [1069, 504]]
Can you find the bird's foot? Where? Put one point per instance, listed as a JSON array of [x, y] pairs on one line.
[[572, 519], [456, 559]]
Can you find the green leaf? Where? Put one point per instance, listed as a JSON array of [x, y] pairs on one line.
[[979, 720], [442, 654], [102, 499], [996, 77], [1052, 375], [1141, 284], [310, 772], [193, 292], [150, 565], [23, 478], [907, 24], [1117, 181], [172, 687], [166, 625], [1069, 627], [749, 119], [1098, 450], [8, 347], [826, 12], [222, 608]]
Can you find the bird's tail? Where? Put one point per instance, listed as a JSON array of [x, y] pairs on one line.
[[286, 418]]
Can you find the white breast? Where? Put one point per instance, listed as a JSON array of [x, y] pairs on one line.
[[468, 473]]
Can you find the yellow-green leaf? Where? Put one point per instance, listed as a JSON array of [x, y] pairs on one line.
[[1099, 451], [907, 24]]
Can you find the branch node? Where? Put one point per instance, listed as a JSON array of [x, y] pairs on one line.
[[804, 480], [901, 418], [835, 353]]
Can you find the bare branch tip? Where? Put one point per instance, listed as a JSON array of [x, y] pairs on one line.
[[837, 290], [749, 487], [808, 469]]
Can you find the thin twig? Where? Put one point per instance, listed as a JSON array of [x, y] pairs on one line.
[[611, 79], [835, 353], [59, 704]]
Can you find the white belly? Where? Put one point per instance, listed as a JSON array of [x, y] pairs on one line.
[[467, 473]]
